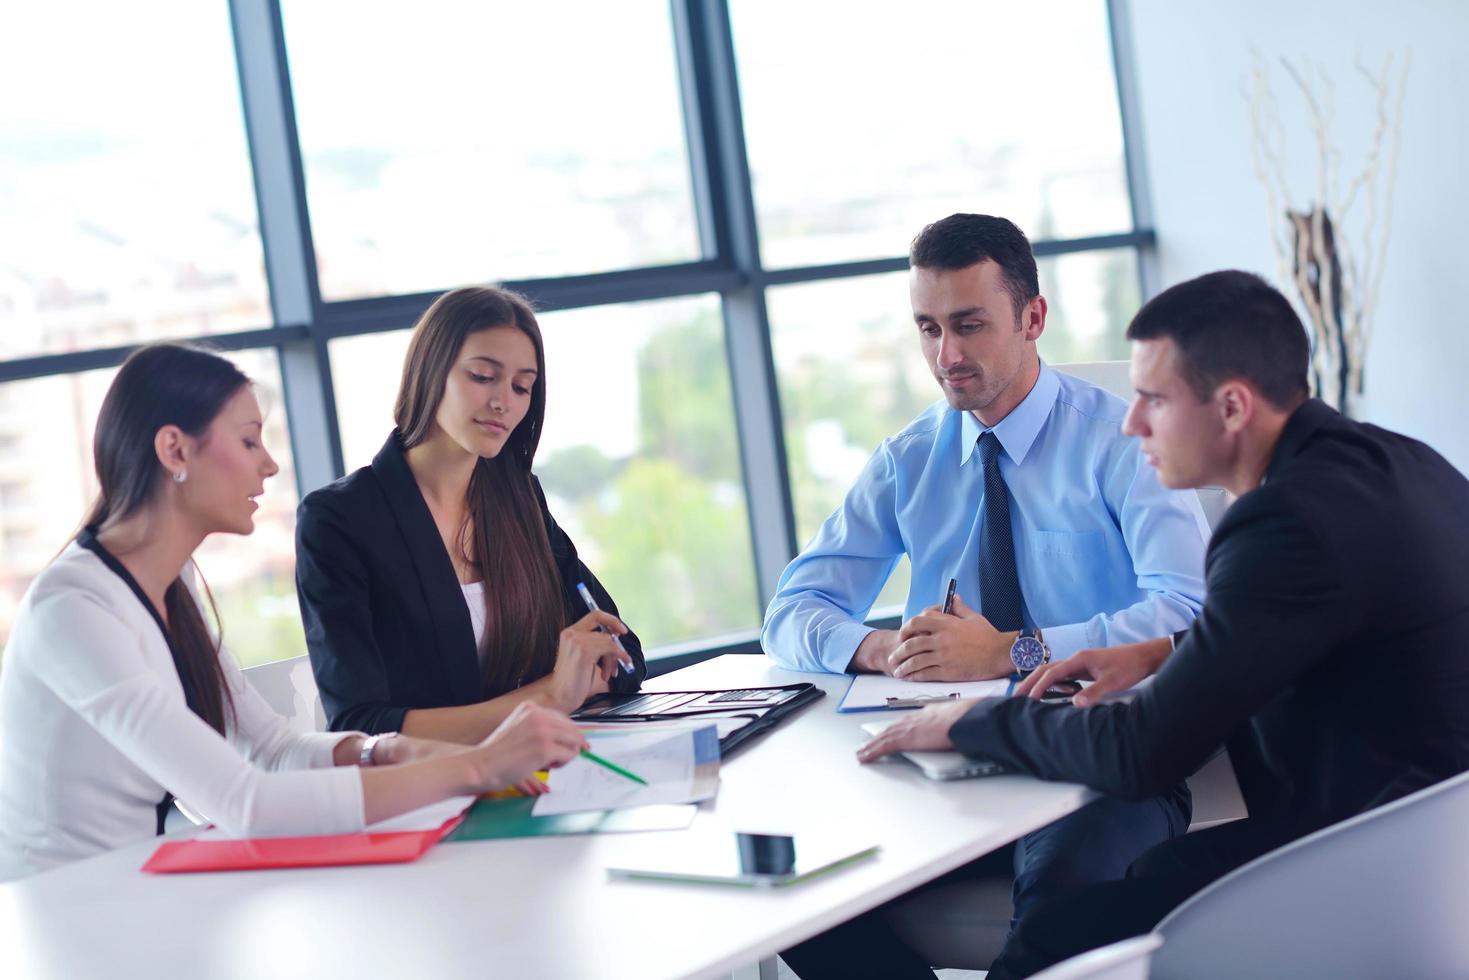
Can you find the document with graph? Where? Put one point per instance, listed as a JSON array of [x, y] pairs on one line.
[[632, 767]]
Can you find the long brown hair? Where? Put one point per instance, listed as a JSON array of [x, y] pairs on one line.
[[159, 385], [524, 613]]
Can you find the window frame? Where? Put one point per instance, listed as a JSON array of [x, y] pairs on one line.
[[728, 234]]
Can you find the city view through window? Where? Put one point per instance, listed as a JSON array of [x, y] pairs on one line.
[[131, 215]]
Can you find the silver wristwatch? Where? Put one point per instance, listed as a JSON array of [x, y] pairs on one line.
[[368, 744]]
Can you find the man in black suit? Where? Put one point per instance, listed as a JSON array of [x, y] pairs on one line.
[[1332, 653]]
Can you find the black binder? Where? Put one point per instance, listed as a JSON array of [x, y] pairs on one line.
[[764, 706]]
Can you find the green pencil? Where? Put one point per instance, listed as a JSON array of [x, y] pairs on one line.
[[615, 768]]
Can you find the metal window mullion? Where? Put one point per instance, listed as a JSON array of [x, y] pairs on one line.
[[285, 233], [727, 221], [1129, 108]]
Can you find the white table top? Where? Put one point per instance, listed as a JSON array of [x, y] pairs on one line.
[[539, 907]]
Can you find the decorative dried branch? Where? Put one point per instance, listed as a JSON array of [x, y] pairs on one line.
[[1338, 292]]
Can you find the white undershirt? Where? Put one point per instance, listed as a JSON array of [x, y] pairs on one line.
[[474, 597]]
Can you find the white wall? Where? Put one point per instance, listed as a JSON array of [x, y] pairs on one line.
[[1192, 61]]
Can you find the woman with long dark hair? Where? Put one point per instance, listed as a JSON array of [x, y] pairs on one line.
[[437, 590], [116, 695]]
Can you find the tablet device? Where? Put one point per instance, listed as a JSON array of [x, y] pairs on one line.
[[942, 766], [760, 708], [726, 858]]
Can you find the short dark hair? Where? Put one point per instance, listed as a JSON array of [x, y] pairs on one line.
[[961, 240], [1227, 325]]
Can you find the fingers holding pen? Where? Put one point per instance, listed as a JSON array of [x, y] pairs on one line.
[[596, 620], [623, 659]]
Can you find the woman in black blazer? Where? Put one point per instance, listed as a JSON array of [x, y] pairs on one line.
[[437, 590]]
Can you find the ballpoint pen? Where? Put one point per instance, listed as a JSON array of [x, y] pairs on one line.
[[586, 596], [593, 757]]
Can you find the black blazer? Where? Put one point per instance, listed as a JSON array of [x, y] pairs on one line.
[[387, 627], [1331, 655]]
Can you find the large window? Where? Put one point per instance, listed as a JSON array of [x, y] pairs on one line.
[[865, 121], [456, 142], [126, 209], [692, 191]]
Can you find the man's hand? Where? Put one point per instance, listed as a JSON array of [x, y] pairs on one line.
[[958, 647], [873, 652], [1111, 669], [926, 730]]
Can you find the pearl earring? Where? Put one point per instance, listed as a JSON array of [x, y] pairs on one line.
[[180, 476]]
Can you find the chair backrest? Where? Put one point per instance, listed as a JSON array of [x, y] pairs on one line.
[[1384, 894], [289, 687], [1127, 960], [1112, 377]]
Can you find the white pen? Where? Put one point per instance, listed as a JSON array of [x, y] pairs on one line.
[[586, 596]]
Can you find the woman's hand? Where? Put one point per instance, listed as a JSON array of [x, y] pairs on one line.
[[583, 655], [531, 739]]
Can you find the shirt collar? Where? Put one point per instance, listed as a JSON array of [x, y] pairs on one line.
[[1017, 431]]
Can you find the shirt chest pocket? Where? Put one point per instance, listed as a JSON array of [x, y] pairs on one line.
[[1073, 565], [1084, 545]]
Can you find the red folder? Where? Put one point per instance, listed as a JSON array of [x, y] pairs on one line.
[[257, 853]]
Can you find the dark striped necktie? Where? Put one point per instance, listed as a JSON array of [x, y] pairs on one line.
[[999, 583]]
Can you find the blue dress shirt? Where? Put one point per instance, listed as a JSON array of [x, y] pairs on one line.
[[1105, 553]]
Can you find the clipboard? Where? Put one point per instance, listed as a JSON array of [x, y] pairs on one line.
[[879, 692], [765, 707]]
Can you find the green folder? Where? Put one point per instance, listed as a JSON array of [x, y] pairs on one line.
[[494, 819]]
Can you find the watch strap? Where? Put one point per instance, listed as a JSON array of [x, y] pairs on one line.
[[370, 743]]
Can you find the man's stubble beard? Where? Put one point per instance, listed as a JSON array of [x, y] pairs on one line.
[[979, 400]]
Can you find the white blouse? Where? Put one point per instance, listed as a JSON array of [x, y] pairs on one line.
[[474, 597], [94, 729]]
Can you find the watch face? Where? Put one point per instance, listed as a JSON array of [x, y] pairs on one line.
[[1027, 653]]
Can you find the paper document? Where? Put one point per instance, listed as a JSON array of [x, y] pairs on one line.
[[870, 692], [431, 817], [679, 763], [426, 818]]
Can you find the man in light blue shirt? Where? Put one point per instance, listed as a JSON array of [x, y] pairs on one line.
[[1021, 487]]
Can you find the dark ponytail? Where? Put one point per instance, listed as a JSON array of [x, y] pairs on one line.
[[159, 385]]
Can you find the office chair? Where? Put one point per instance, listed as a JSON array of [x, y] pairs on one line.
[[1384, 894], [1127, 960], [289, 687]]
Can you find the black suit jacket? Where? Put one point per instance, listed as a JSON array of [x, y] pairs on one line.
[[387, 626], [1331, 655]]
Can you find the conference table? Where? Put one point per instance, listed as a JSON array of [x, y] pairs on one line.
[[542, 907]]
